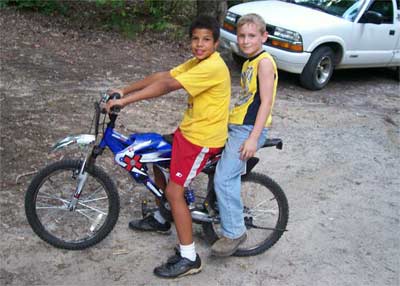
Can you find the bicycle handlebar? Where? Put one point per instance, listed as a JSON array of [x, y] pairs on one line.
[[105, 97], [99, 108], [116, 108]]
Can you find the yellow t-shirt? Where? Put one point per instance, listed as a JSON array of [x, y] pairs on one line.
[[247, 105], [208, 85]]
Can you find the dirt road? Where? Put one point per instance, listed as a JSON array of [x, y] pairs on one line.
[[339, 166]]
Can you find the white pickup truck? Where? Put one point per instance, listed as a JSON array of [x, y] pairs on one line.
[[314, 37]]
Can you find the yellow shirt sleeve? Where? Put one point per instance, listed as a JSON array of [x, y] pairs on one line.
[[198, 78], [183, 67]]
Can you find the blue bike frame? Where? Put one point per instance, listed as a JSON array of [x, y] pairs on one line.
[[134, 152]]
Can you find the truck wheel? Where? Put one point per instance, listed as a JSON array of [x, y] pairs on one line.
[[319, 69], [239, 60], [398, 73]]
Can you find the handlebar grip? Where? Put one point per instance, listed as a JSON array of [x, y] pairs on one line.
[[115, 95], [116, 108]]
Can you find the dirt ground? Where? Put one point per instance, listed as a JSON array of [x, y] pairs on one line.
[[339, 166]]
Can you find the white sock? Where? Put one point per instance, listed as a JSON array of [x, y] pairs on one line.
[[157, 215], [188, 251]]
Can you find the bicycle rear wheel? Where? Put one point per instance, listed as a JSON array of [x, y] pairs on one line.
[[266, 214], [48, 197]]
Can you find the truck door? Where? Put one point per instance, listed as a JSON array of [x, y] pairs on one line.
[[374, 44], [396, 53]]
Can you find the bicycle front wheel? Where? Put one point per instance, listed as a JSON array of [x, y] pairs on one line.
[[266, 214], [48, 198]]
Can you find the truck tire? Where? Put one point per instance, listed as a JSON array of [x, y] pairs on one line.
[[318, 71], [398, 73]]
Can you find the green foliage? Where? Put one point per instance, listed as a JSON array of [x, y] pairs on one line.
[[130, 17], [47, 6], [133, 18]]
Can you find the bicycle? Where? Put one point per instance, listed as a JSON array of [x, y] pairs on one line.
[[74, 204]]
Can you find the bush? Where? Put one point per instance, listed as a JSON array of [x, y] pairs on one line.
[[133, 17], [47, 6], [129, 17]]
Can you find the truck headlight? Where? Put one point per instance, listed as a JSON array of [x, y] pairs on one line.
[[286, 39], [231, 17], [230, 22]]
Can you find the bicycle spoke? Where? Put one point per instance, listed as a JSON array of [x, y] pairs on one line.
[[51, 207], [260, 212], [93, 200], [83, 212], [91, 208], [48, 196], [99, 188]]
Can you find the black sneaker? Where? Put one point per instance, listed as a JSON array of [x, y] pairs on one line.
[[149, 223], [178, 267], [177, 256]]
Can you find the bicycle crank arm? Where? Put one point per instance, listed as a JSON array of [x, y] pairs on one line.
[[203, 217], [250, 224]]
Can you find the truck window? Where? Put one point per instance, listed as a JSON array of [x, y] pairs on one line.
[[385, 7]]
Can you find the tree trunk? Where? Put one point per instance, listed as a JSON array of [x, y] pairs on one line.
[[215, 8]]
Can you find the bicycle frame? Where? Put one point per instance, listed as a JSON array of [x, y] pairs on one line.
[[134, 152]]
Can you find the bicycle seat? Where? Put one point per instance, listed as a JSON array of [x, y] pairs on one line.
[[269, 142]]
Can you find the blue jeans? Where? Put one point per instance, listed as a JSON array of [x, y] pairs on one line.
[[227, 181]]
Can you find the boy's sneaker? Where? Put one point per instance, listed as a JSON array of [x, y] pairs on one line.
[[174, 258], [149, 223], [178, 267], [226, 247]]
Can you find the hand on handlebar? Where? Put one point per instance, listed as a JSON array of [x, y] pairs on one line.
[[113, 106]]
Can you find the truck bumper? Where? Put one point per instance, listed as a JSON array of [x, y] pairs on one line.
[[287, 61]]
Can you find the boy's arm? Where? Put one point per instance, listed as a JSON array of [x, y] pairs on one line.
[[266, 78], [158, 85]]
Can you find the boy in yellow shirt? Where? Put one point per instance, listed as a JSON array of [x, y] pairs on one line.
[[248, 125], [200, 135]]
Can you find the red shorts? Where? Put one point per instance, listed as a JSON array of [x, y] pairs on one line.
[[188, 159]]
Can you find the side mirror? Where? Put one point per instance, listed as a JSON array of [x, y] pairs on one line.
[[372, 17]]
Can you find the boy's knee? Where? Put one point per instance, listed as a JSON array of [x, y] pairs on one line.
[[174, 191]]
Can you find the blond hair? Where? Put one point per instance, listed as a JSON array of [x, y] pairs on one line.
[[252, 19]]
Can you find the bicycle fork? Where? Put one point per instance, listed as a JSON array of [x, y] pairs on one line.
[[82, 178]]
